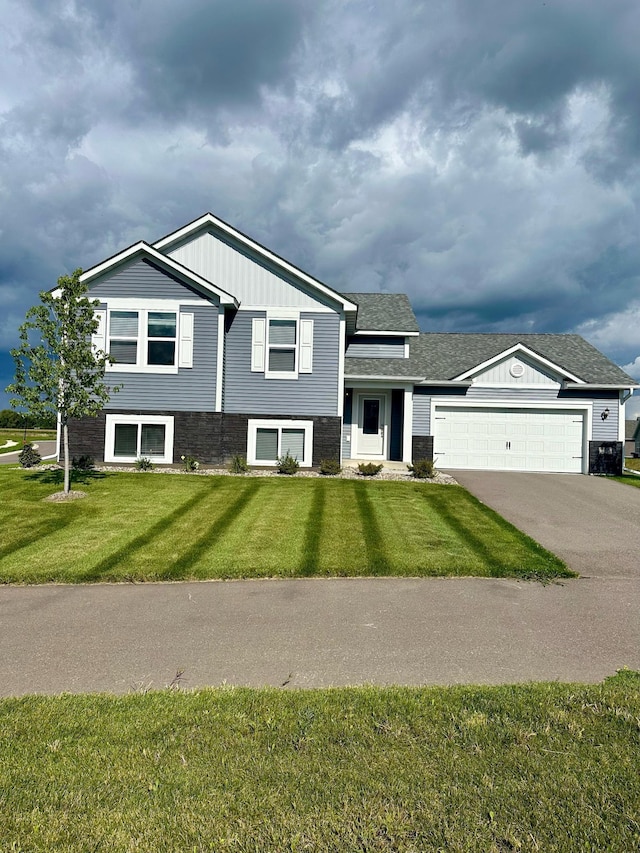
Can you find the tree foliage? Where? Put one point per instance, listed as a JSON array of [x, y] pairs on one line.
[[57, 372]]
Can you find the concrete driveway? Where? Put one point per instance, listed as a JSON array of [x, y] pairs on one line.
[[591, 522]]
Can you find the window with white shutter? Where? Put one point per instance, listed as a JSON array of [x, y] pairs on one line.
[[185, 358]]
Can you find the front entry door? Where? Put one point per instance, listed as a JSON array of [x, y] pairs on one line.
[[371, 426]]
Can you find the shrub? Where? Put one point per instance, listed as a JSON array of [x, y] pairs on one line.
[[369, 469], [29, 457], [287, 464], [423, 469], [143, 464], [83, 463], [238, 464], [190, 463], [330, 467]]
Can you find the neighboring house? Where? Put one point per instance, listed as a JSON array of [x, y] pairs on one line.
[[221, 348], [632, 438]]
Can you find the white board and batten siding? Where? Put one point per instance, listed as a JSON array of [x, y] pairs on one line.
[[252, 281]]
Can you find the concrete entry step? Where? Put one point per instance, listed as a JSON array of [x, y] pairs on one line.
[[387, 464]]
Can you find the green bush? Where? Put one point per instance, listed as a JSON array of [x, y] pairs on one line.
[[423, 469], [83, 463], [330, 467], [238, 464], [29, 457], [287, 464], [143, 464], [369, 469], [190, 463]]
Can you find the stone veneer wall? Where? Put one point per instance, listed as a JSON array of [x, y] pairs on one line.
[[422, 447], [212, 437], [606, 457]]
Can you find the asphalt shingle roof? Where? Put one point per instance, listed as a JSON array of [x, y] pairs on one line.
[[630, 429], [441, 356], [384, 312]]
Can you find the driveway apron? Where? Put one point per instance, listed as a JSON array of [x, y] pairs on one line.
[[592, 523]]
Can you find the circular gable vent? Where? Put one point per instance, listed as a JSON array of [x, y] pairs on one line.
[[516, 369]]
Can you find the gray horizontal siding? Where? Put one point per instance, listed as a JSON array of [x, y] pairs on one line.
[[602, 430], [310, 394], [143, 280], [421, 414], [372, 346], [191, 389], [605, 430]]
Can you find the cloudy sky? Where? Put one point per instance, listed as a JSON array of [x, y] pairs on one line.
[[480, 155]]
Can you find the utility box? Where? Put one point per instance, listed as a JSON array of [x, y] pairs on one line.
[[606, 457]]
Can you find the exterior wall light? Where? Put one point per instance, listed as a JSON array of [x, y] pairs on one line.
[[605, 414]]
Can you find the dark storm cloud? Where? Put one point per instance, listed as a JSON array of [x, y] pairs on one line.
[[211, 54], [481, 155], [451, 60]]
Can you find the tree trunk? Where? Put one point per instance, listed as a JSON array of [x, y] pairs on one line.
[[67, 463]]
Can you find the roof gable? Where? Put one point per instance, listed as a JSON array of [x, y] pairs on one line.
[[143, 251], [445, 356], [181, 245], [539, 364]]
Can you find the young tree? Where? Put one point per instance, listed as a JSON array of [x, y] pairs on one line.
[[58, 373]]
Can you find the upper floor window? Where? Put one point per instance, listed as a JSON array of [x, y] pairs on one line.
[[282, 345], [161, 337], [146, 340]]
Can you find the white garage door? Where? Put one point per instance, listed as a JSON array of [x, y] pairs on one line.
[[508, 439]]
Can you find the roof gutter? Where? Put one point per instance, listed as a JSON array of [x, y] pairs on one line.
[[599, 386], [447, 383], [362, 377]]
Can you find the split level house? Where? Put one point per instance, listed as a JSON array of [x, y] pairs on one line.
[[221, 347]]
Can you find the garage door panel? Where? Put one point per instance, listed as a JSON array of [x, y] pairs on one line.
[[509, 439]]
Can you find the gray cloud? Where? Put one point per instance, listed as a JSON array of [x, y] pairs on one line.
[[482, 156]]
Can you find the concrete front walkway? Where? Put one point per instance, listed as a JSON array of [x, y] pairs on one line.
[[315, 633]]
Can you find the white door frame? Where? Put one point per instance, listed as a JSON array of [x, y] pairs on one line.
[[385, 416]]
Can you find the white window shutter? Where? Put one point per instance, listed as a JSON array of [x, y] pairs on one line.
[[185, 358], [99, 337], [306, 346], [258, 344]]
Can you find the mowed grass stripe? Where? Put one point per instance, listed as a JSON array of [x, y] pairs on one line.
[[167, 526], [268, 539], [374, 543]]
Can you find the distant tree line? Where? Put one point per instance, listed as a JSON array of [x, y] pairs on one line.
[[9, 419]]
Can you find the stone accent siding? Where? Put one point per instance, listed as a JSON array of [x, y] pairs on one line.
[[606, 457], [212, 437], [422, 447]]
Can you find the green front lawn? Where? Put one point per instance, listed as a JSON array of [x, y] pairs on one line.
[[538, 767], [629, 479], [17, 435], [169, 526], [633, 463]]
